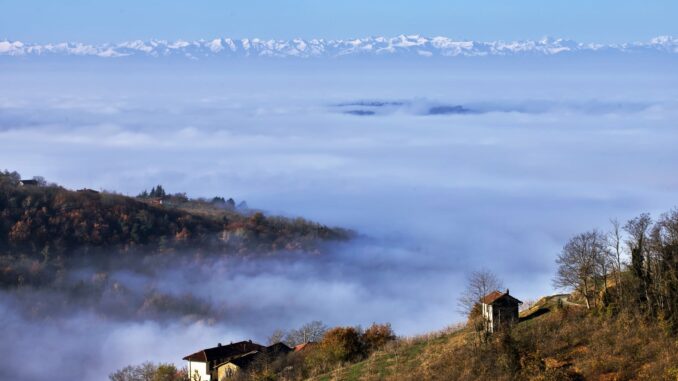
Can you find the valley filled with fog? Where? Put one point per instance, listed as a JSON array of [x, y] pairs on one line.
[[442, 167]]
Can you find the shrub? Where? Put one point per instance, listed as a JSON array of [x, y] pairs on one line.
[[149, 372], [378, 335], [342, 344]]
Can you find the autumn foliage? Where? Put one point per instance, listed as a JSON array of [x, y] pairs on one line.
[[44, 224]]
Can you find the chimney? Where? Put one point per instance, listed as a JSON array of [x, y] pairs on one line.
[[250, 341], [507, 291], [218, 345]]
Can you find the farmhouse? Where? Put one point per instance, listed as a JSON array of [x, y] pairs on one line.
[[230, 369], [499, 309], [24, 183], [226, 361], [202, 365]]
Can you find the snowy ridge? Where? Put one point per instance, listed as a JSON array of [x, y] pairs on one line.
[[411, 45]]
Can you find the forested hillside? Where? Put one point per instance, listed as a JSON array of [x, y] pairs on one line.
[[41, 224]]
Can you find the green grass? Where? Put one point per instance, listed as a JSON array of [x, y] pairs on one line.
[[355, 371], [383, 362]]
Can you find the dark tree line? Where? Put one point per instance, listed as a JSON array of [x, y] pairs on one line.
[[633, 267], [156, 192]]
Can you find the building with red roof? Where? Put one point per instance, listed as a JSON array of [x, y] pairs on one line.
[[499, 309]]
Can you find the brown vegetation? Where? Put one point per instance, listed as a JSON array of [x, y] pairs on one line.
[[591, 264], [622, 325], [150, 372], [566, 342], [43, 225]]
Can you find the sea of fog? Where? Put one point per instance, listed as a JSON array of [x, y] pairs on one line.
[[443, 167]]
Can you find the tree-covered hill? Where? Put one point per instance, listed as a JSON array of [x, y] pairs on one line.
[[48, 220]]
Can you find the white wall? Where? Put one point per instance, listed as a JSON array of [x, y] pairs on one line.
[[201, 368]]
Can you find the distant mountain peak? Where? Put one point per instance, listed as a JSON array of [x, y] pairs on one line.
[[401, 45]]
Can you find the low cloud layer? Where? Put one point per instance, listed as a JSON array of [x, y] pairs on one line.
[[544, 155], [426, 107]]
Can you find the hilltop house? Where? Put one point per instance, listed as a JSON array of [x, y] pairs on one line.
[[499, 309], [24, 183], [202, 365], [231, 368], [226, 361]]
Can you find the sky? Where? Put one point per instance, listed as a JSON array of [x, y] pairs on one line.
[[602, 21]]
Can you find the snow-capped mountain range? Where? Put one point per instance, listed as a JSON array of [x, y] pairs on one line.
[[410, 45]]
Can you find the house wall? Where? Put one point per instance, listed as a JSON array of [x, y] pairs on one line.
[[499, 314], [226, 371], [487, 316], [201, 368], [504, 314]]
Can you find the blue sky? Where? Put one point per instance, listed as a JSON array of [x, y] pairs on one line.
[[604, 21]]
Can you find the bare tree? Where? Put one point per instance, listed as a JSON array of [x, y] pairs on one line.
[[651, 282], [277, 336], [127, 373], [603, 264], [309, 332], [479, 284], [579, 264], [664, 247], [614, 243], [11, 178], [149, 372], [40, 181]]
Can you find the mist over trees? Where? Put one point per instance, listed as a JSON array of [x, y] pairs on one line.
[[73, 249]]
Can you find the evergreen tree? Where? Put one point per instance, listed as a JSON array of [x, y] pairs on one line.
[[158, 192]]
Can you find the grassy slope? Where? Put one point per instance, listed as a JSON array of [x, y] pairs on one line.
[[401, 357], [553, 342], [407, 355]]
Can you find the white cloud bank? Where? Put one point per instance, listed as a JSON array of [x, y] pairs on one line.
[[558, 148]]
